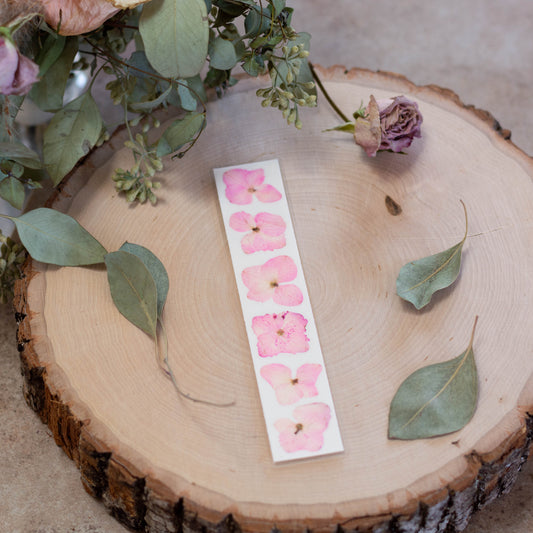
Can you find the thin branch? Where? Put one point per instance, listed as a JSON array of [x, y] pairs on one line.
[[326, 95]]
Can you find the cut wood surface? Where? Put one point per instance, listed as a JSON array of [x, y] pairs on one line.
[[162, 463]]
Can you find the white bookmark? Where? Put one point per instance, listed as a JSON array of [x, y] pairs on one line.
[[289, 366]]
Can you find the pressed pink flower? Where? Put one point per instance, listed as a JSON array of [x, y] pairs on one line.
[[288, 389], [266, 231], [241, 185], [306, 432], [280, 333], [269, 281]]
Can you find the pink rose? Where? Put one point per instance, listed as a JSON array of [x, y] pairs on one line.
[[388, 124], [82, 16], [17, 72]]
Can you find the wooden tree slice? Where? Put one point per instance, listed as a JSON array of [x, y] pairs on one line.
[[164, 464]]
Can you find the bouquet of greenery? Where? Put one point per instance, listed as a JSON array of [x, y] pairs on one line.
[[155, 54]]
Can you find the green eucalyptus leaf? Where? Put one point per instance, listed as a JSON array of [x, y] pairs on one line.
[[12, 191], [257, 21], [279, 6], [222, 54], [48, 92], [52, 48], [175, 35], [252, 67], [72, 132], [348, 127], [197, 88], [436, 399], [420, 279], [20, 153], [156, 269], [56, 238], [133, 290], [179, 133], [187, 100], [149, 105]]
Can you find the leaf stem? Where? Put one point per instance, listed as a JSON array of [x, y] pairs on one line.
[[472, 336], [163, 360], [466, 220], [326, 94]]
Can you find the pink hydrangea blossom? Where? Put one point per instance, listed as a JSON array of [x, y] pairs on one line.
[[266, 231], [306, 431], [288, 389], [241, 185], [280, 333], [17, 72], [269, 281]]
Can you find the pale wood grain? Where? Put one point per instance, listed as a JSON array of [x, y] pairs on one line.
[[157, 459]]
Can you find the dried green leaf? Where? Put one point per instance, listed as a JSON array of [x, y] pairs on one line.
[[187, 100], [12, 191], [20, 153], [133, 290], [222, 54], [56, 238], [175, 36], [437, 399], [420, 279], [52, 48], [348, 127], [72, 132], [48, 92], [156, 269], [150, 105], [179, 133]]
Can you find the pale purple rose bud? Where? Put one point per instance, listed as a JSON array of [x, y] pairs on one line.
[[388, 124], [17, 72], [400, 121]]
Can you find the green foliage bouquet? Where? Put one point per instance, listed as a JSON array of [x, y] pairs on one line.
[[155, 54]]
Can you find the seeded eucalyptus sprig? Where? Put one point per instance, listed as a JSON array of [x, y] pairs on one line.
[[161, 54]]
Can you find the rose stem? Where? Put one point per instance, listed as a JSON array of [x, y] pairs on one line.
[[326, 95]]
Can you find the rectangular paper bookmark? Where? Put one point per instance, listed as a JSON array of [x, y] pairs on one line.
[[289, 367]]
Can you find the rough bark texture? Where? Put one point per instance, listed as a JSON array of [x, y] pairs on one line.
[[144, 506]]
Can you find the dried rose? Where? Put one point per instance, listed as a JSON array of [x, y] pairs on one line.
[[17, 72], [75, 17], [399, 120]]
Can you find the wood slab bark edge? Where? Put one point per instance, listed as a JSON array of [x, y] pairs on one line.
[[144, 504]]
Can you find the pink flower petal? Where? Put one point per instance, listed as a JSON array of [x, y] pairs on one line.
[[241, 221], [78, 16], [284, 267], [259, 285], [307, 431], [265, 281], [242, 184], [271, 225], [268, 194], [276, 374], [237, 186], [314, 416], [307, 375], [9, 60], [256, 242], [287, 389], [280, 377], [290, 438], [283, 333], [255, 178], [288, 295]]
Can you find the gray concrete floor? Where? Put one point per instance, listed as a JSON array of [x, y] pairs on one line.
[[482, 49]]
